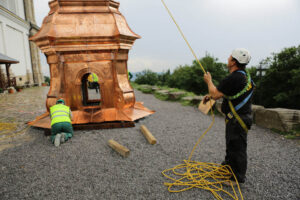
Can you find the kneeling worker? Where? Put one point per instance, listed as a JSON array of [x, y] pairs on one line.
[[61, 126]]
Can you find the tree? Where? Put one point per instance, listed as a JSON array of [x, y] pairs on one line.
[[190, 78], [47, 79], [280, 87], [182, 78], [147, 77], [164, 77]]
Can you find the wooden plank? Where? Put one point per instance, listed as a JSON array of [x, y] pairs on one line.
[[151, 139], [119, 148], [106, 125]]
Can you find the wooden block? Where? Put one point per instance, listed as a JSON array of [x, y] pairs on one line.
[[119, 148], [151, 139], [205, 107]]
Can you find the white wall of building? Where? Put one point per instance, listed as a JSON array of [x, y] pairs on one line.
[[14, 33], [2, 47], [20, 8], [15, 6]]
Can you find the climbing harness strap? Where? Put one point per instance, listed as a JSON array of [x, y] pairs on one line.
[[236, 108], [247, 87], [243, 102], [238, 118]]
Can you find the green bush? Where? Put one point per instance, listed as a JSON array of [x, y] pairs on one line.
[[280, 87], [47, 79]]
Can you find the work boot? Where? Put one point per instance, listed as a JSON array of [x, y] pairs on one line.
[[63, 137], [57, 140], [225, 162]]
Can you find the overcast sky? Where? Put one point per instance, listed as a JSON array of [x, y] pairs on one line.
[[213, 26]]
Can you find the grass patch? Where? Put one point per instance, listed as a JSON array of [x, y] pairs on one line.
[[146, 90], [186, 103], [143, 88], [293, 134], [190, 94], [134, 85], [163, 97], [289, 136]]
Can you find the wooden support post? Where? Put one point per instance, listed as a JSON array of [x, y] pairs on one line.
[[119, 148], [1, 78], [151, 139], [7, 74]]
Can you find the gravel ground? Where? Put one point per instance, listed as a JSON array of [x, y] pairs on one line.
[[87, 168]]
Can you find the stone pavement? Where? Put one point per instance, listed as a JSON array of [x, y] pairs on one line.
[[17, 109]]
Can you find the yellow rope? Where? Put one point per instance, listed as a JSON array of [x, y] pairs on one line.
[[183, 36], [192, 174]]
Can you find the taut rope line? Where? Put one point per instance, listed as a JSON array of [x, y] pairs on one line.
[[192, 174]]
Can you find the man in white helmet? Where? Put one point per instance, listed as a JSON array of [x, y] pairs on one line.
[[236, 90]]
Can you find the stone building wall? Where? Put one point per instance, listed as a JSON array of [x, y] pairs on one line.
[[17, 24]]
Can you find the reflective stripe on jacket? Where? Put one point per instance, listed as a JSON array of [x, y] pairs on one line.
[[60, 113]]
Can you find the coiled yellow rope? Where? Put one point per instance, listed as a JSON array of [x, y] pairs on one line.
[[192, 174]]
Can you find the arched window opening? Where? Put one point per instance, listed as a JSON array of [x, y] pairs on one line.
[[91, 93]]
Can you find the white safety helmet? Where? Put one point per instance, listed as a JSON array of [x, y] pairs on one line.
[[241, 55]]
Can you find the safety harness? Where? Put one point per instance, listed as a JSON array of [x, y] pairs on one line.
[[233, 109]]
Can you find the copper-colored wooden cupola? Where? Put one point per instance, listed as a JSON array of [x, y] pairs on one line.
[[80, 37]]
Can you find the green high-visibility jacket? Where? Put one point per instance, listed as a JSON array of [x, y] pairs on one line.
[[129, 75], [95, 77], [60, 113]]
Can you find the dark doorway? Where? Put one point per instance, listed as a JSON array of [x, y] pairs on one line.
[[91, 93]]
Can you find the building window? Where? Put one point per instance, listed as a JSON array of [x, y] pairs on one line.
[[20, 79]]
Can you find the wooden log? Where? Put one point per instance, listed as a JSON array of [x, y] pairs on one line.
[[119, 148], [151, 139]]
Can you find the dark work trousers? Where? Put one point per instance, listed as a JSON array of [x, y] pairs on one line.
[[60, 127], [96, 86], [236, 146]]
